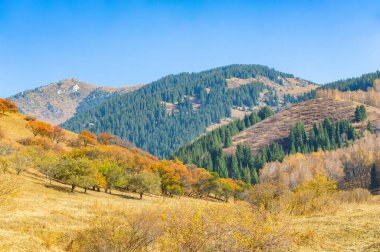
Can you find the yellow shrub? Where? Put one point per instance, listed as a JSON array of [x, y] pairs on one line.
[[311, 197], [226, 227]]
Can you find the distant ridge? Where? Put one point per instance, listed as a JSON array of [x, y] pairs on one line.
[[59, 101]]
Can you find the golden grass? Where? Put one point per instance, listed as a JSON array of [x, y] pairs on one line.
[[354, 227], [40, 211], [43, 217]]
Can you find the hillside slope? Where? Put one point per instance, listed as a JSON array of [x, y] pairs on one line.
[[13, 128], [276, 128], [47, 217], [59, 101], [172, 111]]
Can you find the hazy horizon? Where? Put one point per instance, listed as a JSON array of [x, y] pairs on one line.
[[117, 43]]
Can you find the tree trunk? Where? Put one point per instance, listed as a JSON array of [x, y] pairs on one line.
[[141, 195], [72, 188], [85, 190]]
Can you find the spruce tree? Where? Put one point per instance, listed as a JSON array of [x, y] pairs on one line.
[[360, 113], [255, 177], [370, 127]]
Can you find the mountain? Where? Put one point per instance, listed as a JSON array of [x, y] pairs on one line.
[[59, 101], [172, 111]]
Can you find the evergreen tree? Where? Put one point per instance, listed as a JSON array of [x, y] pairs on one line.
[[360, 113], [255, 177], [246, 175], [235, 168], [227, 139], [370, 127]]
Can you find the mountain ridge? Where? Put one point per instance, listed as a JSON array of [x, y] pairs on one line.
[[59, 101], [169, 112]]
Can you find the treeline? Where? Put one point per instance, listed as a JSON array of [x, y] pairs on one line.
[[207, 151], [327, 135], [366, 82], [359, 83], [142, 116]]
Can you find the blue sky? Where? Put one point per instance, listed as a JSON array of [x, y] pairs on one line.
[[119, 43]]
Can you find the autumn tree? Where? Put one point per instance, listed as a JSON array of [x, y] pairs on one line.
[[144, 182], [76, 171], [113, 174], [87, 137], [105, 138], [39, 128], [57, 134], [8, 106]]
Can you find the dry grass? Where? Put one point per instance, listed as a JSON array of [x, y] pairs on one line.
[[44, 217], [355, 227], [42, 213]]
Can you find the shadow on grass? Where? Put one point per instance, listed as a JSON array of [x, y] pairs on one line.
[[123, 196], [58, 188]]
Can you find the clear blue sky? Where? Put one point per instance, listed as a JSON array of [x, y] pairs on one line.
[[118, 43]]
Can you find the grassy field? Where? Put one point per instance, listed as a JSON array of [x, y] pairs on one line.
[[44, 217]]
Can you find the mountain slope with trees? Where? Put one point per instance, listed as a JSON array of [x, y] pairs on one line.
[[172, 111], [240, 149]]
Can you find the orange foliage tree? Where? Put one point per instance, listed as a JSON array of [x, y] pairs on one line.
[[87, 137], [57, 134], [105, 138], [39, 128], [8, 106]]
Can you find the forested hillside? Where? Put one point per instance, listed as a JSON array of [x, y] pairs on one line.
[[172, 111], [240, 149]]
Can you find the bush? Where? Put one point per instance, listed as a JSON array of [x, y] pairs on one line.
[[6, 149], [117, 232], [263, 195], [29, 118], [357, 195], [74, 143], [224, 227], [43, 142], [311, 197]]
